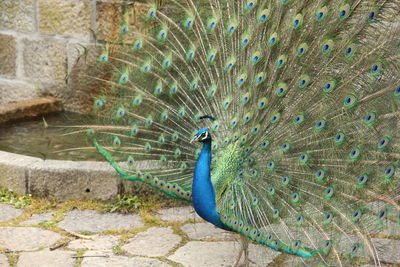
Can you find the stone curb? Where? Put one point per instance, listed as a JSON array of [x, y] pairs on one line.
[[62, 180], [25, 108]]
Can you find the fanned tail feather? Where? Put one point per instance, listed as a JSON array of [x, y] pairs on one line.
[[306, 98]]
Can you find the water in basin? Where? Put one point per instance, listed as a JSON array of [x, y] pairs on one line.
[[30, 137]]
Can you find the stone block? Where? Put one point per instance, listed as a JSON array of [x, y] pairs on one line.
[[82, 64], [65, 180], [14, 171], [11, 91], [8, 55], [108, 20], [45, 60], [65, 17], [17, 15], [60, 180], [110, 17], [81, 55], [25, 108]]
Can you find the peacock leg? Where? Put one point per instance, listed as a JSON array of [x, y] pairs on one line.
[[244, 249], [236, 264]]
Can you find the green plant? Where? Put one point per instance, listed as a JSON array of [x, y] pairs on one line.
[[7, 196], [124, 204]]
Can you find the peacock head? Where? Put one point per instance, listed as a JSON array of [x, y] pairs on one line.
[[203, 135]]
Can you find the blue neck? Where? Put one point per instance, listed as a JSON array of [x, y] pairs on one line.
[[203, 194]]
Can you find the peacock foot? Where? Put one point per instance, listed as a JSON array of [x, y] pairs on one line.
[[243, 250]]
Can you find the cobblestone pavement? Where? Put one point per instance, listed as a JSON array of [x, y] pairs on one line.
[[170, 237]]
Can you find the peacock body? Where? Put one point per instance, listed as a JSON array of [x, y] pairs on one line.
[[297, 103]]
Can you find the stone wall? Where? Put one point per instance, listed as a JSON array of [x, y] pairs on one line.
[[40, 41]]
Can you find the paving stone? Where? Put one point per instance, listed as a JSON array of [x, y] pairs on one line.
[[8, 212], [39, 218], [180, 214], [382, 265], [70, 17], [261, 255], [220, 254], [98, 243], [46, 258], [118, 261], [26, 238], [388, 250], [17, 15], [93, 221], [4, 261], [7, 55], [153, 243], [205, 230], [293, 261], [391, 230]]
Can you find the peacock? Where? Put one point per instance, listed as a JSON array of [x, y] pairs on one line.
[[278, 120]]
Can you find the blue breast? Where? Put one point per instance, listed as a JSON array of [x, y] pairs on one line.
[[203, 194]]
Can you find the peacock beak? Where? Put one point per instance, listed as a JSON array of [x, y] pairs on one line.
[[195, 138]]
